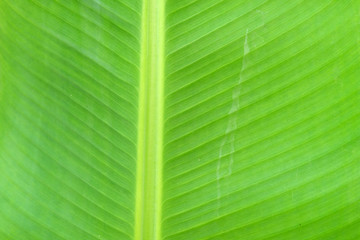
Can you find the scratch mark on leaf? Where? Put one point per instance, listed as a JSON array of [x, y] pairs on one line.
[[227, 147]]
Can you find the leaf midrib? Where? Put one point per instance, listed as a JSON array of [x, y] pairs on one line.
[[150, 122]]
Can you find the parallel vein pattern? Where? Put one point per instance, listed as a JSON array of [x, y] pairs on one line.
[[168, 119], [69, 99], [261, 130]]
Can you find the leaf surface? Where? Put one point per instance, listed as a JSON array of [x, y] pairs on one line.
[[192, 119]]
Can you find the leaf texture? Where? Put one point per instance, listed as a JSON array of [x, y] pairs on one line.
[[255, 103], [69, 118]]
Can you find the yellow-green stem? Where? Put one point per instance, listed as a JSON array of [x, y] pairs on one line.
[[150, 132]]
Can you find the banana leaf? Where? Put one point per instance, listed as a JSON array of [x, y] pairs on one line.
[[179, 119]]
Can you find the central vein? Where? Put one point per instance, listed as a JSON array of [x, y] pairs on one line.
[[150, 133]]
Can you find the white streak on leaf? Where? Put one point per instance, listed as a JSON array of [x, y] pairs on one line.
[[227, 147]]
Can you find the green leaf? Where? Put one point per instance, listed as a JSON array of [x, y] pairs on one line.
[[168, 119]]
